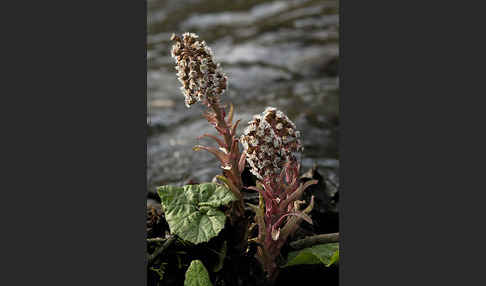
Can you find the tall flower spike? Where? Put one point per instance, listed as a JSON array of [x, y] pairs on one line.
[[201, 76], [269, 141], [203, 81]]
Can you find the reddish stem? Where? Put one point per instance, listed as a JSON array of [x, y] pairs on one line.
[[228, 139]]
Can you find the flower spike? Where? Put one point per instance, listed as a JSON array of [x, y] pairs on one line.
[[270, 143]]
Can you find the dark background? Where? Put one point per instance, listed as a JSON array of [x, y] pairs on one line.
[[74, 143]]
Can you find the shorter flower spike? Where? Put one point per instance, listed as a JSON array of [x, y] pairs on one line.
[[279, 214], [269, 141]]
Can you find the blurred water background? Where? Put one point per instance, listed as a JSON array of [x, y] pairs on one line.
[[276, 53]]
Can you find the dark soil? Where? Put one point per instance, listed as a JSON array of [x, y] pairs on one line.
[[243, 269]]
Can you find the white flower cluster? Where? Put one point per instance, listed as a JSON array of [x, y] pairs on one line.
[[200, 76], [269, 141]]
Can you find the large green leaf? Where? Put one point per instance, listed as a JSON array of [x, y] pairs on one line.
[[326, 254], [197, 275], [192, 211]]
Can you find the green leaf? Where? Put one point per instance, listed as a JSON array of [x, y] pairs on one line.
[[326, 254], [197, 275], [334, 258], [192, 211]]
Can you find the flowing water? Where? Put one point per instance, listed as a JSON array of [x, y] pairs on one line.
[[276, 53]]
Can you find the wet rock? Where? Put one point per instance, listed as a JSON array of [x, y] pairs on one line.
[[256, 13], [276, 53]]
